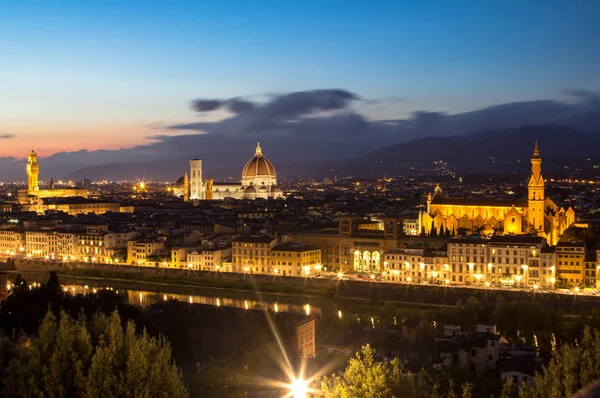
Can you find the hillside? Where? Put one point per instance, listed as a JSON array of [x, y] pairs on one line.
[[496, 151]]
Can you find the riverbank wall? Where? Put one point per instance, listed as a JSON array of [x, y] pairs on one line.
[[375, 292]]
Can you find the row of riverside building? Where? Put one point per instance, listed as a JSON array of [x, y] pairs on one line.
[[502, 260]]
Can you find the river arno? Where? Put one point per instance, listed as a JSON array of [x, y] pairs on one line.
[[147, 293]]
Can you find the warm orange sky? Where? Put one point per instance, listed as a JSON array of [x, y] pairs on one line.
[[60, 137]]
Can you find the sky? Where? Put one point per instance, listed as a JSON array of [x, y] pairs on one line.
[[109, 74]]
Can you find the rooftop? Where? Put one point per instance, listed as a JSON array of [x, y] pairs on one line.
[[255, 239], [294, 247], [519, 239], [480, 202], [74, 200]]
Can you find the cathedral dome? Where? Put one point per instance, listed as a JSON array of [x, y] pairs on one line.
[[258, 166], [250, 189]]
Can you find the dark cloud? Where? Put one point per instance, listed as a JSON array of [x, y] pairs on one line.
[[582, 95], [306, 102], [206, 105], [234, 105], [6, 136], [239, 105], [287, 114], [328, 113], [159, 137]]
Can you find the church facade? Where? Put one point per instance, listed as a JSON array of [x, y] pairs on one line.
[[536, 214], [259, 181]]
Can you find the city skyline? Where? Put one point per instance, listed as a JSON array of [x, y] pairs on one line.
[[112, 75]]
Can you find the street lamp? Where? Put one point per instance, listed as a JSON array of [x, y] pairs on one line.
[[518, 279]]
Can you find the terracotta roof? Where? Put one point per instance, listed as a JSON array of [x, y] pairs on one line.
[[479, 202], [519, 239], [258, 166]]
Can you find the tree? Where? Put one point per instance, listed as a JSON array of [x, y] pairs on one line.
[[442, 230], [19, 285], [433, 230], [364, 377], [92, 359], [572, 368]]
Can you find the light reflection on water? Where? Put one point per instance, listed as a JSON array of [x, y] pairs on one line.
[[145, 298]]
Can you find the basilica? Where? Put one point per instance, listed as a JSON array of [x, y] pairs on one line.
[[259, 181], [536, 214]]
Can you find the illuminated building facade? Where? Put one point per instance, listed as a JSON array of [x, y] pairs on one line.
[[292, 259], [195, 179], [259, 181], [416, 266], [570, 258], [146, 252], [252, 254], [306, 335], [537, 214], [33, 194], [209, 260]]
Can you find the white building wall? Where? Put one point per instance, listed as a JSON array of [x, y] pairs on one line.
[[196, 179]]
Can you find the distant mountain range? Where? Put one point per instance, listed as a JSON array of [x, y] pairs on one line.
[[497, 151]]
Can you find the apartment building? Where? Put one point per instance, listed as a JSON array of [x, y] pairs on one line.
[[149, 252], [570, 258], [414, 265], [516, 260], [548, 268], [209, 260], [11, 241], [468, 260], [295, 259], [252, 254]]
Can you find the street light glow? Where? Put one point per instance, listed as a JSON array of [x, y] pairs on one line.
[[299, 388]]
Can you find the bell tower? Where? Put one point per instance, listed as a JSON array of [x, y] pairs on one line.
[[535, 188], [196, 179], [33, 171]]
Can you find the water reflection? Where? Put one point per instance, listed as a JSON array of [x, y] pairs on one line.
[[144, 298]]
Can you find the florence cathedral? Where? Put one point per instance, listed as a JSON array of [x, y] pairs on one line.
[[535, 214], [259, 181]]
